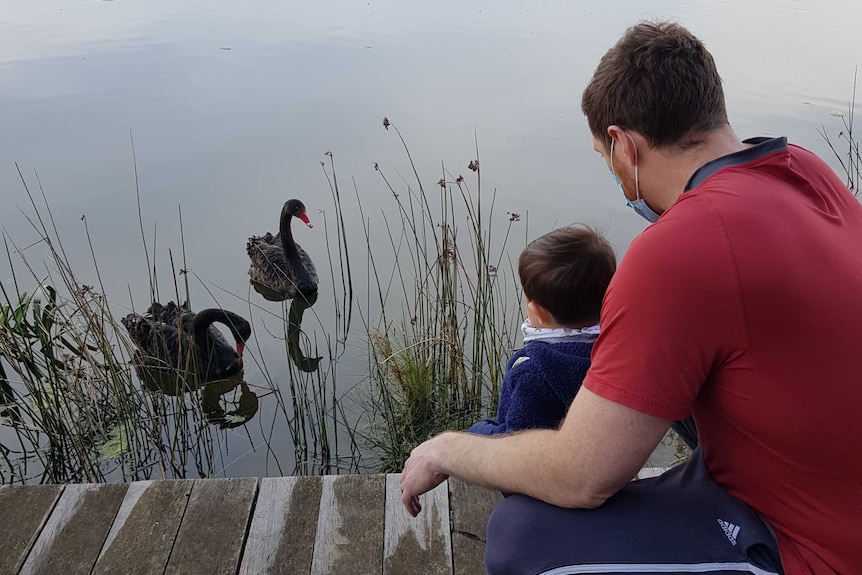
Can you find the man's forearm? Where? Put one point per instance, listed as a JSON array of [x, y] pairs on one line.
[[527, 462], [599, 447]]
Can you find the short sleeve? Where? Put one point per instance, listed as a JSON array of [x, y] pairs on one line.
[[671, 313]]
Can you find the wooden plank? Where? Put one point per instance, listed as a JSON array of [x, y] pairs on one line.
[[648, 472], [74, 533], [25, 509], [141, 538], [349, 535], [213, 527], [419, 544], [281, 538], [471, 507]]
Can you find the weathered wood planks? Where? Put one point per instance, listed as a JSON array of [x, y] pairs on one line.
[[419, 544], [648, 472], [212, 531], [143, 533], [349, 536], [24, 511], [283, 528], [75, 531], [332, 525], [471, 506]]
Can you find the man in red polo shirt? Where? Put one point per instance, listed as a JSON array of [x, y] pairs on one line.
[[739, 307]]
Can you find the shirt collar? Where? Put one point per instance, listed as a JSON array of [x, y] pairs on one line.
[[559, 334], [760, 147]]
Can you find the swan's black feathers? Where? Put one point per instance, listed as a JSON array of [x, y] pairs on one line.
[[172, 336], [282, 266]]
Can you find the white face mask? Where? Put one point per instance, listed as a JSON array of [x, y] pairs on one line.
[[639, 205]]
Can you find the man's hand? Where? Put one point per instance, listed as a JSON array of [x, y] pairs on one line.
[[422, 472], [598, 449]]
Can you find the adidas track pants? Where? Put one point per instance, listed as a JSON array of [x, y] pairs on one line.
[[679, 522]]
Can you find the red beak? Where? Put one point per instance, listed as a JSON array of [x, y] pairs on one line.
[[240, 347], [304, 218]]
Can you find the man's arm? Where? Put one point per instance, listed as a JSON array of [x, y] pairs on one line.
[[599, 447]]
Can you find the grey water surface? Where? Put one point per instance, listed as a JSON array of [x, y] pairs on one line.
[[232, 106]]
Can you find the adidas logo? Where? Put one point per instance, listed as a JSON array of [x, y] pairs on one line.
[[730, 530]]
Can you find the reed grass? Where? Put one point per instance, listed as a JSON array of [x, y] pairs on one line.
[[77, 404], [69, 388], [437, 323], [845, 147], [438, 363]]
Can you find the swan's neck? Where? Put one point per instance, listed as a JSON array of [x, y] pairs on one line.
[[287, 243], [201, 323], [203, 320]]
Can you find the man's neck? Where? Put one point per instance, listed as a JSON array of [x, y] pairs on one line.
[[672, 168]]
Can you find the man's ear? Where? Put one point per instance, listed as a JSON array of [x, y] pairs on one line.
[[623, 144]]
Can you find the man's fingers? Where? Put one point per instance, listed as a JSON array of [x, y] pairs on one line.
[[411, 504]]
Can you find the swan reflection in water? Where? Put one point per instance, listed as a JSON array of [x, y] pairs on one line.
[[169, 382], [294, 324], [298, 305]]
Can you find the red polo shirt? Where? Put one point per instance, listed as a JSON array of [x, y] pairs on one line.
[[742, 306]]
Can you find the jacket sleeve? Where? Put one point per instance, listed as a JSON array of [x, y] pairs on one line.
[[486, 427], [499, 424]]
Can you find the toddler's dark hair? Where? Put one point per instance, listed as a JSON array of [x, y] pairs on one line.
[[567, 272]]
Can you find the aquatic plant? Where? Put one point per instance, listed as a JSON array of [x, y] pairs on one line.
[[438, 363], [850, 158], [66, 389]]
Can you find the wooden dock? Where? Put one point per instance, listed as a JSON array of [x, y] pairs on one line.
[[316, 525]]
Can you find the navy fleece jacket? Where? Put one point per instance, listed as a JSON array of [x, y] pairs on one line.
[[541, 381]]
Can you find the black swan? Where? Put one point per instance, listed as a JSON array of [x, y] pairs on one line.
[[173, 336], [278, 263]]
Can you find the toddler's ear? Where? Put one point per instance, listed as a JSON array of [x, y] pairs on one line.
[[539, 316]]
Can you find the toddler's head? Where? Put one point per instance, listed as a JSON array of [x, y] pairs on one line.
[[567, 272]]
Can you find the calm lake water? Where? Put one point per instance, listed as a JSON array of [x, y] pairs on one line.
[[232, 108]]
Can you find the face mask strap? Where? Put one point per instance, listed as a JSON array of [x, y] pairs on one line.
[[639, 205], [614, 171], [637, 180]]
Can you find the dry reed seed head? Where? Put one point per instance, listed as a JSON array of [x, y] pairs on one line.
[[473, 165], [514, 217], [386, 123], [376, 167], [459, 179], [442, 183]]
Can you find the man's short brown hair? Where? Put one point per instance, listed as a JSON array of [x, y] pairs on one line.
[[660, 81], [567, 272]]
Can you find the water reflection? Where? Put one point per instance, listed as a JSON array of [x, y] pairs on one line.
[[207, 122], [245, 407], [172, 383], [298, 305], [267, 293], [294, 329]]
